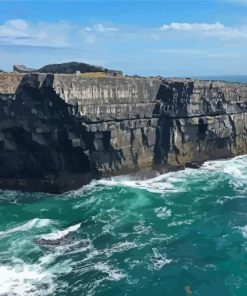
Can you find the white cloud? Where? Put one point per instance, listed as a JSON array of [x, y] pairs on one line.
[[101, 28], [193, 27], [202, 30], [14, 29], [21, 32], [58, 34]]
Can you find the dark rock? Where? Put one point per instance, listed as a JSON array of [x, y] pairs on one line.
[[193, 165], [52, 242], [22, 69], [70, 68]]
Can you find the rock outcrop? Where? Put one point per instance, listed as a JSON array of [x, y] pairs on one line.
[[70, 68], [57, 132], [67, 68], [22, 69]]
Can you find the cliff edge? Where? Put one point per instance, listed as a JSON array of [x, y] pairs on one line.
[[58, 132]]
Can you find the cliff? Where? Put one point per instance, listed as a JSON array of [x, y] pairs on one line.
[[59, 131]]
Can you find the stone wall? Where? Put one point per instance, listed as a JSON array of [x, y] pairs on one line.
[[60, 131]]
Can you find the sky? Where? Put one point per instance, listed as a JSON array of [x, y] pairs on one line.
[[148, 38]]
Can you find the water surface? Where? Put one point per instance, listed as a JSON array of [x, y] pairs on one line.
[[182, 233]]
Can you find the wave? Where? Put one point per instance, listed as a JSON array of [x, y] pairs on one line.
[[154, 185], [41, 278], [243, 230], [34, 223], [60, 234], [24, 279], [235, 168]]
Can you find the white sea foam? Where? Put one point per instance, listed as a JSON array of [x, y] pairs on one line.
[[155, 185], [20, 278], [236, 168], [182, 222], [159, 260], [163, 212], [243, 230], [61, 233], [91, 187], [141, 228], [34, 223], [172, 181], [113, 274], [120, 248], [23, 279]]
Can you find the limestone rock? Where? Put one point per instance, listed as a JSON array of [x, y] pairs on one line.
[[57, 132]]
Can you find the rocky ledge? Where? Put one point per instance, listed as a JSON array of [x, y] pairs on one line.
[[58, 132]]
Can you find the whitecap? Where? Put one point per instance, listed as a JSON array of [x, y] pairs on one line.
[[120, 248], [243, 229], [114, 274], [182, 222], [159, 260], [60, 233], [235, 167], [24, 279], [141, 228], [163, 212], [155, 185], [34, 223], [172, 181]]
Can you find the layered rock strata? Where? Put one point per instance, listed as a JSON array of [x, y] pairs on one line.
[[57, 132]]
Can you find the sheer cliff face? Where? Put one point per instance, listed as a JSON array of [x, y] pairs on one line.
[[59, 131]]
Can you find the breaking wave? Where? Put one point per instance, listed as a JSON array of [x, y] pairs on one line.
[[61, 233], [33, 223]]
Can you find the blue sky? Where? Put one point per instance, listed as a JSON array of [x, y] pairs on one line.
[[169, 37]]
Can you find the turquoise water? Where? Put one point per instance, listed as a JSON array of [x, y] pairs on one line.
[[182, 233]]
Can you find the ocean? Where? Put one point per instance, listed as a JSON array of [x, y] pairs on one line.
[[227, 78], [180, 233]]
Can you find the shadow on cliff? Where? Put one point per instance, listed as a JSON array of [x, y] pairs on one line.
[[44, 138], [171, 104]]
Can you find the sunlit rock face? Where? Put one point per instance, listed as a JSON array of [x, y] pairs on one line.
[[58, 132]]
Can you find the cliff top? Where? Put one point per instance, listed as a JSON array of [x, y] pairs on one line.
[[10, 81]]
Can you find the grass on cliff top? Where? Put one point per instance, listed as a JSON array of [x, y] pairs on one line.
[[93, 74], [11, 74]]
